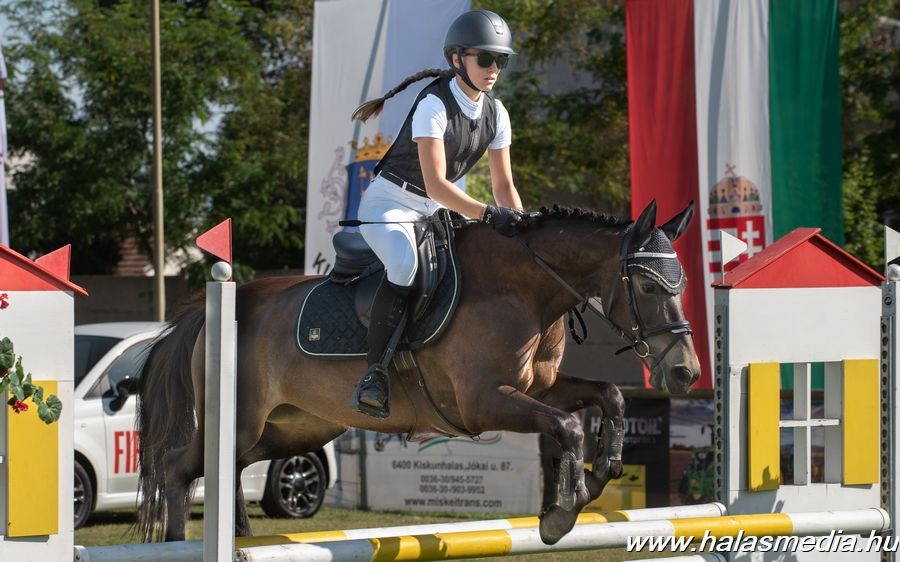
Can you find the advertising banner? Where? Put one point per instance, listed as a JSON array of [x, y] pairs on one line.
[[497, 473]]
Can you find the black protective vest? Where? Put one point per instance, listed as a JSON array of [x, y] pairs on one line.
[[465, 140]]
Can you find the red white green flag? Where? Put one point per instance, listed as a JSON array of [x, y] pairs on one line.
[[737, 106]]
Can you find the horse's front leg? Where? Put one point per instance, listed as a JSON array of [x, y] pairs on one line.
[[570, 394], [511, 410]]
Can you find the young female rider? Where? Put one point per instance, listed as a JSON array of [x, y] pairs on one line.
[[451, 124]]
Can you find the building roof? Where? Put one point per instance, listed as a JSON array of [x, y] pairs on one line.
[[49, 272], [801, 259]]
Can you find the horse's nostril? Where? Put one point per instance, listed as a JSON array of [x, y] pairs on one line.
[[684, 373]]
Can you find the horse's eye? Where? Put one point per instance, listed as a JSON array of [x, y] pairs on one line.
[[649, 287]]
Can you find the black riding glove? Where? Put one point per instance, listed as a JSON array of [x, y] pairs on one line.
[[505, 220]]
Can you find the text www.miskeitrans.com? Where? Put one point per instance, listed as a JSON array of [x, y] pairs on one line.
[[835, 541]]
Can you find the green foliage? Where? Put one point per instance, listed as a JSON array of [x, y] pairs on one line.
[[256, 169], [235, 81], [15, 381], [870, 83], [566, 93], [860, 214]]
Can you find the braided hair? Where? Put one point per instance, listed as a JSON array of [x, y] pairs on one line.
[[374, 107]]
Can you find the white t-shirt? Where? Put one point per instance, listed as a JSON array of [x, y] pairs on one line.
[[430, 118]]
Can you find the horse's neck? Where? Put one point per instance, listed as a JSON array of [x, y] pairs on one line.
[[584, 257], [507, 268]]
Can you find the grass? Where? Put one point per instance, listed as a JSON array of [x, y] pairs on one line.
[[114, 527]]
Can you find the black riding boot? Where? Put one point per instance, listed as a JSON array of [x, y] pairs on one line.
[[387, 320]]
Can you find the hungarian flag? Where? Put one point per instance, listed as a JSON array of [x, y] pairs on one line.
[[737, 106]]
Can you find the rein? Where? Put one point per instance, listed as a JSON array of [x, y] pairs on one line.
[[639, 333]]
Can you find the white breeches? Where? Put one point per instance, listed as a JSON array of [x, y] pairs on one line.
[[394, 242]]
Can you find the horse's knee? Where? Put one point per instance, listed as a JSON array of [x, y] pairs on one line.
[[612, 402], [570, 434]]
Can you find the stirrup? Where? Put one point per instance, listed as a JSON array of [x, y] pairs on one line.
[[375, 411]]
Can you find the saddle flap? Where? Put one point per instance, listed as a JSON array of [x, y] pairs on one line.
[[428, 272], [334, 315]]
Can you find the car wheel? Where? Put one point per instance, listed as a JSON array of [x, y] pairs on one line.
[[295, 487], [84, 495]]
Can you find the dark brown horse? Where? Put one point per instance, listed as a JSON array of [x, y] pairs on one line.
[[495, 368]]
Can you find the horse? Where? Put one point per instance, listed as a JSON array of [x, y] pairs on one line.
[[494, 368]]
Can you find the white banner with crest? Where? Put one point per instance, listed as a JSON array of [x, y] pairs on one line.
[[361, 49]]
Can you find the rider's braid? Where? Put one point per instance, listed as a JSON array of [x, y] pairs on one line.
[[373, 107]]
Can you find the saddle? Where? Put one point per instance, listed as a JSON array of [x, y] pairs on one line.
[[334, 317]]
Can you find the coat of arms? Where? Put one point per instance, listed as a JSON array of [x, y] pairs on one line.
[[734, 207]]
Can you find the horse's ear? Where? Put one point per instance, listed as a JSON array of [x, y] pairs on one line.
[[679, 222], [643, 227]]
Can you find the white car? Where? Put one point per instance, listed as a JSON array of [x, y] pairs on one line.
[[108, 361]]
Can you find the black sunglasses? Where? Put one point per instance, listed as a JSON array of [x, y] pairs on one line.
[[485, 59]]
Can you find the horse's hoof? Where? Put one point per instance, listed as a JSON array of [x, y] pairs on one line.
[[601, 468], [615, 468], [555, 523]]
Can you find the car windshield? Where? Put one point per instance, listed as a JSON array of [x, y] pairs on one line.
[[89, 350]]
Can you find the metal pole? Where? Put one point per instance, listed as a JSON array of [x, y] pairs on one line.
[[219, 420], [159, 259], [890, 385]]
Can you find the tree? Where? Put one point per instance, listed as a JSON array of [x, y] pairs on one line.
[[870, 84], [568, 101], [256, 170], [79, 100]]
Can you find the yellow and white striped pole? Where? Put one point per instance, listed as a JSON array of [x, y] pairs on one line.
[[191, 551], [713, 509], [473, 544]]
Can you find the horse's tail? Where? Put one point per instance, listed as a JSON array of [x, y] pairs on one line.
[[166, 417]]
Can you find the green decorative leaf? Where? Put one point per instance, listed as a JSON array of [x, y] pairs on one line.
[[19, 385], [50, 410], [7, 354]]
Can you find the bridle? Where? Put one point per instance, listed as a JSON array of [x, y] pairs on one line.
[[639, 332]]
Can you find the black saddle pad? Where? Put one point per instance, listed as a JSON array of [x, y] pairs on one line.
[[328, 328]]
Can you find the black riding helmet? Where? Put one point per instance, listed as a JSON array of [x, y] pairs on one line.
[[478, 29]]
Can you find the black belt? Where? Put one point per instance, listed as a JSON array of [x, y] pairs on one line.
[[403, 184]]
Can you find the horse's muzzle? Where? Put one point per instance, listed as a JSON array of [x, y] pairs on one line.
[[681, 379]]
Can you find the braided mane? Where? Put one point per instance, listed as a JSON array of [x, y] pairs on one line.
[[586, 214]]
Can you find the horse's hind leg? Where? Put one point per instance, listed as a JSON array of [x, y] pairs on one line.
[[182, 468], [570, 394], [241, 518]]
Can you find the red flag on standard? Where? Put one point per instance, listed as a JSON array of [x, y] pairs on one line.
[[217, 240]]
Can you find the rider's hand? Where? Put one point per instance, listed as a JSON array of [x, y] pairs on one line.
[[505, 220]]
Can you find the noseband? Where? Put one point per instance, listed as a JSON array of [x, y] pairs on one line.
[[639, 332]]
